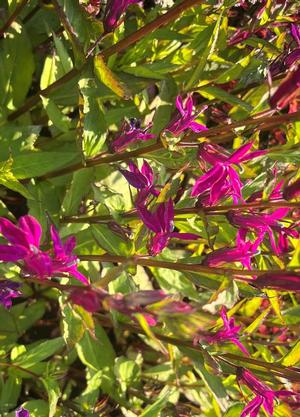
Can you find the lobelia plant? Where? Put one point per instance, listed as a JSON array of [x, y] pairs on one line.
[[185, 221]]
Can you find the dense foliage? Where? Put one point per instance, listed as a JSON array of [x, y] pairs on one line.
[[149, 208]]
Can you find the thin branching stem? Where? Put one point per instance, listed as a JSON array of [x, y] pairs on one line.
[[212, 211]]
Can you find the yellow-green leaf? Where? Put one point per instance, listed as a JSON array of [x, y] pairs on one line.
[[254, 325], [293, 357], [108, 78]]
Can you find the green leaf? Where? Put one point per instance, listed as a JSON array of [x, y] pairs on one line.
[[72, 324], [292, 358], [79, 188], [96, 353], [154, 409], [234, 411], [15, 139], [127, 372], [234, 71], [255, 323], [205, 55], [164, 105], [92, 119], [17, 66], [110, 241], [211, 92], [10, 392], [286, 155], [108, 78], [54, 393], [36, 408], [59, 120], [35, 164], [213, 382], [38, 353], [8, 180], [14, 322]]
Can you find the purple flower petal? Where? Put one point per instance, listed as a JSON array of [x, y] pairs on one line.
[[148, 219], [238, 155], [12, 253], [184, 236], [13, 233], [57, 243], [32, 228], [252, 408], [22, 412], [207, 180]]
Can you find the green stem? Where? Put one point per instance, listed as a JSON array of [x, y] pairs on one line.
[[213, 211], [118, 47], [13, 17], [176, 266]]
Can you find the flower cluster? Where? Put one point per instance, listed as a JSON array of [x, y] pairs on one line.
[[24, 247], [229, 333], [182, 121], [264, 396], [222, 180]]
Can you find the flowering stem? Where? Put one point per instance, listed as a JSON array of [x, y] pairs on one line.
[[118, 47], [176, 266], [125, 156], [215, 131], [213, 211], [291, 372], [13, 17]]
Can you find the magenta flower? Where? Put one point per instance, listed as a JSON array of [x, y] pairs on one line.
[[228, 333], [292, 190], [141, 179], [22, 412], [113, 11], [284, 281], [8, 291], [24, 245], [264, 396], [161, 222], [64, 261], [242, 252], [262, 223], [287, 90], [222, 179], [132, 132], [185, 119]]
